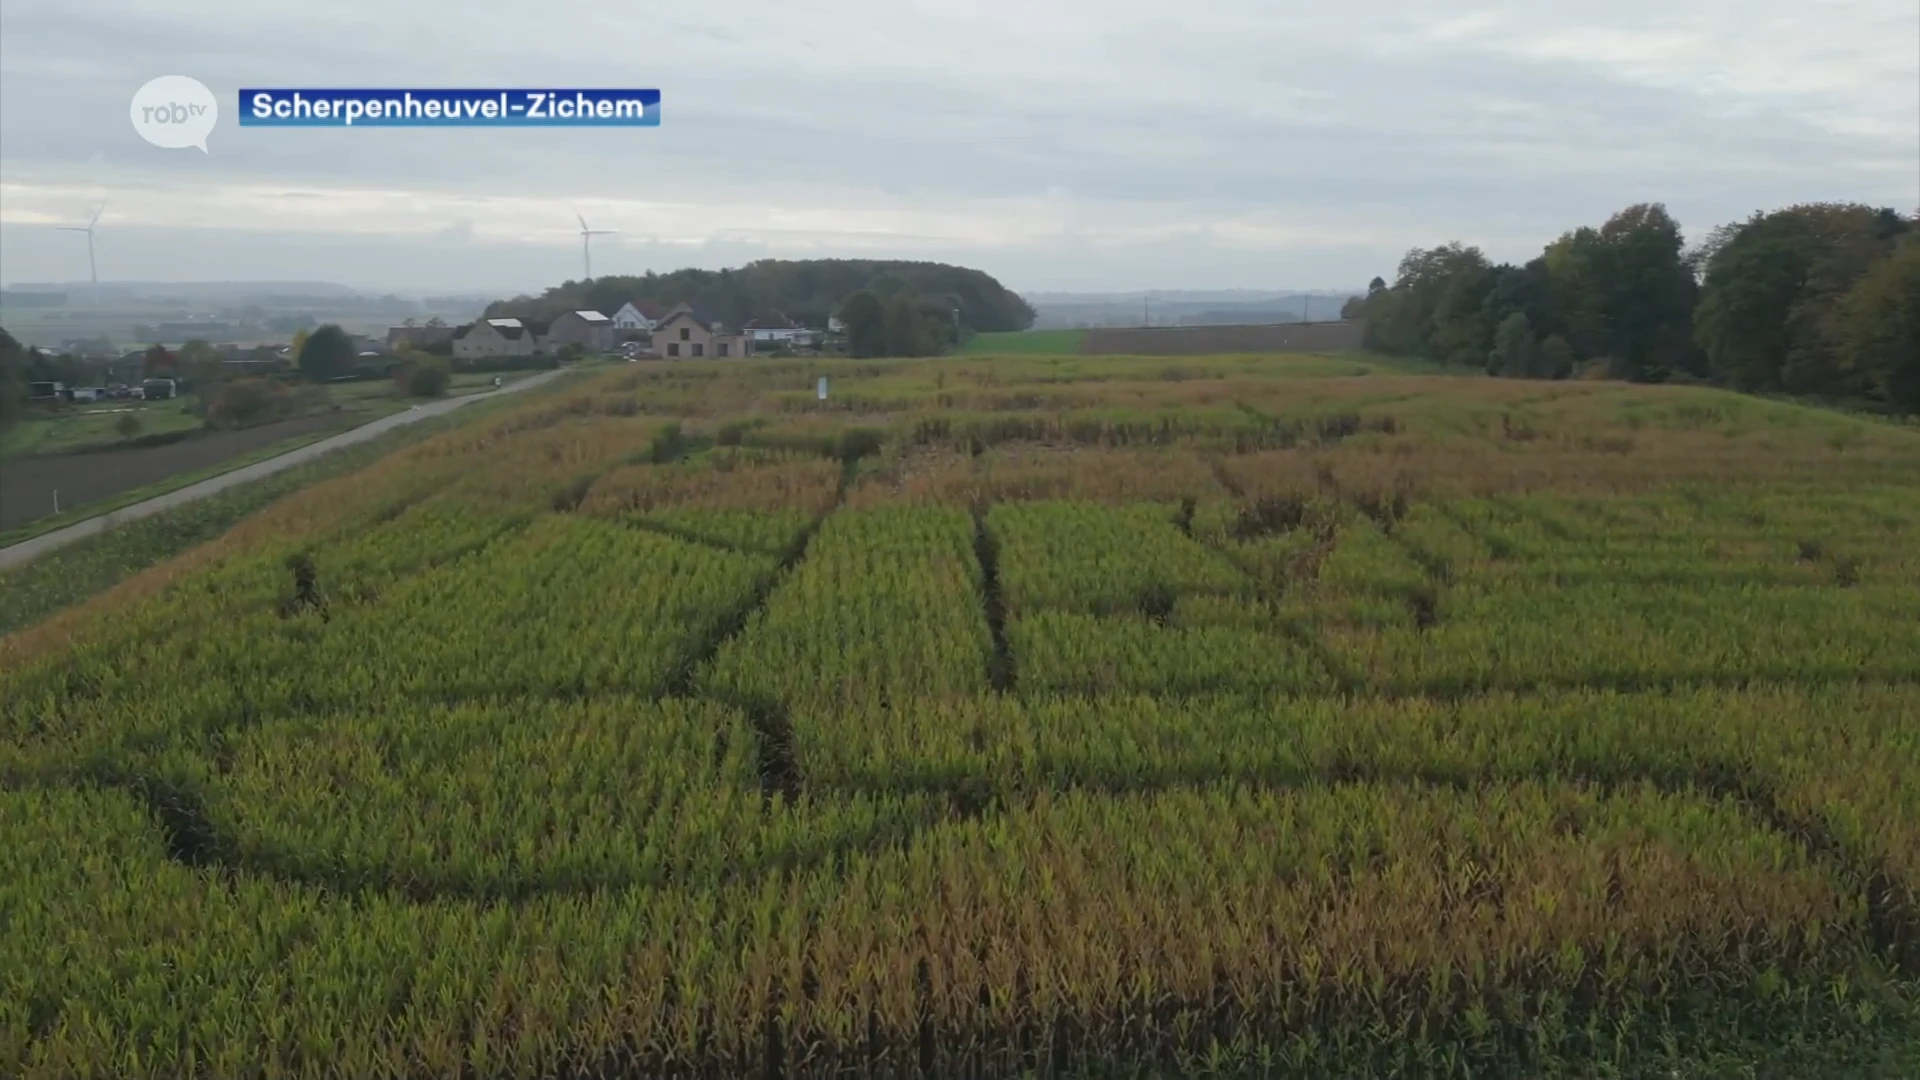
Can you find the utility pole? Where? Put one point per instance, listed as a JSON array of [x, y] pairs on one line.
[[1146, 312]]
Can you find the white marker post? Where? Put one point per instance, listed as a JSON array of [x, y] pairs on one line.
[[823, 388]]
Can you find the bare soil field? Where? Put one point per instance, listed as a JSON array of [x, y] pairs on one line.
[[27, 485], [1209, 340]]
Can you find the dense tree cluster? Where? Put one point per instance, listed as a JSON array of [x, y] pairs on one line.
[[327, 353], [1820, 299], [888, 318], [807, 290]]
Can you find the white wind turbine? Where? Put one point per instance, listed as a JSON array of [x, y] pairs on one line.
[[586, 243], [93, 269]]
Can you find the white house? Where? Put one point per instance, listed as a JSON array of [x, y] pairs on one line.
[[632, 318], [779, 330]]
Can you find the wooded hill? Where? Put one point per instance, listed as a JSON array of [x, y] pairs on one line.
[[807, 290]]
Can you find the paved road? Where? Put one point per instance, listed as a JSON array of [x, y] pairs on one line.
[[27, 550]]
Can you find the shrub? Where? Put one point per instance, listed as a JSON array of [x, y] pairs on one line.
[[127, 426], [1554, 359], [423, 375], [244, 402]]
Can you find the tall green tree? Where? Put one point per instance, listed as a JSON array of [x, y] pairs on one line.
[[1578, 267], [1403, 317], [1771, 313], [909, 331], [1624, 291], [1745, 321], [1648, 293], [1513, 348], [1463, 326], [328, 353], [1878, 332], [865, 317]]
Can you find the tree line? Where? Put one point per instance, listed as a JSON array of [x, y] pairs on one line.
[[806, 290], [226, 397], [1819, 299]]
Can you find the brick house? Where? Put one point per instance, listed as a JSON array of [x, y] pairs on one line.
[[680, 334]]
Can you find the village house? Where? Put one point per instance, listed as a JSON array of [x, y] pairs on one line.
[[493, 337], [778, 330], [418, 337], [587, 329], [681, 334], [635, 317]]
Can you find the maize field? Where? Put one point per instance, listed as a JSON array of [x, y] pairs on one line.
[[1036, 716]]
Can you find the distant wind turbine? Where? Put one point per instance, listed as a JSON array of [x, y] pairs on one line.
[[586, 243], [93, 270]]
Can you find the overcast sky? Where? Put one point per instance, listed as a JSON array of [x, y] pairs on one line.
[[1058, 144]]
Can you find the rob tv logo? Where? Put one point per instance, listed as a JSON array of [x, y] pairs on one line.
[[174, 112]]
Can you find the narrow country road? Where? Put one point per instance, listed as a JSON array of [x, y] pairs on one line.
[[28, 550]]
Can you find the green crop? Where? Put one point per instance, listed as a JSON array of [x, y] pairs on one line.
[[1023, 716]]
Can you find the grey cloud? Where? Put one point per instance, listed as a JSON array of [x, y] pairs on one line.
[[1230, 110]]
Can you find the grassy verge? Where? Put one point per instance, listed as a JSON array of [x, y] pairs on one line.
[[60, 578], [88, 426]]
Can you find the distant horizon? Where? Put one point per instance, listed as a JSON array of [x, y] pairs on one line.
[[1183, 292]]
